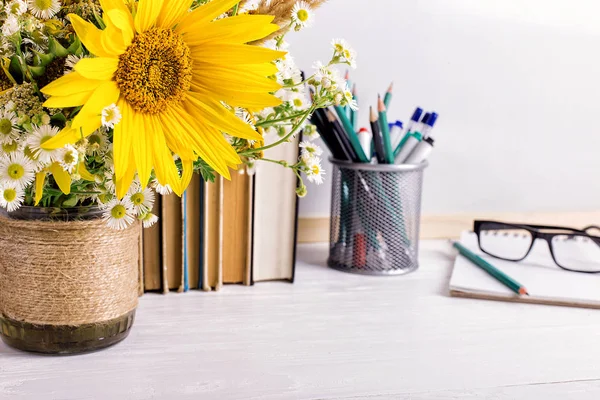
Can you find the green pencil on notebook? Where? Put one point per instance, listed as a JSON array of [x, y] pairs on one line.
[[490, 269]]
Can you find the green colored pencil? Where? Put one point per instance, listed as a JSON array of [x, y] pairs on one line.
[[354, 113], [490, 269], [351, 134], [385, 132], [388, 96]]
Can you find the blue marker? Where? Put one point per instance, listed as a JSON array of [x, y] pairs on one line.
[[396, 133], [412, 124], [412, 140]]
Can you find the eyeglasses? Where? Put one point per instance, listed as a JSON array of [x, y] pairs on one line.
[[571, 249]]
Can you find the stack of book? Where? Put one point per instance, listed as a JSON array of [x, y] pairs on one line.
[[237, 231]]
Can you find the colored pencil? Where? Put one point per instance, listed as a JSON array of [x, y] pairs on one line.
[[354, 113], [342, 137], [377, 138], [351, 134], [328, 136], [385, 132], [388, 96], [490, 269]]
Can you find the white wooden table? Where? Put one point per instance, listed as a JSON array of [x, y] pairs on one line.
[[330, 336]]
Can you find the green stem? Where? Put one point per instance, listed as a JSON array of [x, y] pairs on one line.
[[272, 121], [285, 139], [235, 10]]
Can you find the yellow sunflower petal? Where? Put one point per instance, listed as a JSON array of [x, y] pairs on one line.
[[122, 140], [204, 14], [89, 117], [147, 13], [62, 177], [90, 36], [101, 68], [70, 84], [226, 78], [214, 114], [124, 22], [172, 12], [124, 183], [187, 174], [164, 165], [142, 152], [73, 100], [249, 100], [115, 5], [227, 53], [112, 38], [63, 138], [40, 179], [85, 174], [240, 29]]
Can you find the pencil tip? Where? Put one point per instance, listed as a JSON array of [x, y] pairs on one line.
[[347, 76], [523, 292], [380, 104], [354, 89], [373, 114], [391, 88]]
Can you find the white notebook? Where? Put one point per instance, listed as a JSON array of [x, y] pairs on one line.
[[545, 281]]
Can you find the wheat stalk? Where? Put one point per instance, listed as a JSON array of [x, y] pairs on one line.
[[282, 11]]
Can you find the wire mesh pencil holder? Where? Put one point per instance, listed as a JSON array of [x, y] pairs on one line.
[[375, 217]]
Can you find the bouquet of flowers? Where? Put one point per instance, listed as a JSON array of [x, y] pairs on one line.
[[103, 102]]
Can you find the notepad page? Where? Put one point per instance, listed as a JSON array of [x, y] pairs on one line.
[[546, 282]]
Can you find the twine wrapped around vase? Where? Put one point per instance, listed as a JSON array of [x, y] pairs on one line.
[[67, 273]]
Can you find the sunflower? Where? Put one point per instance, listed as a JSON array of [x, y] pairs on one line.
[[169, 71]]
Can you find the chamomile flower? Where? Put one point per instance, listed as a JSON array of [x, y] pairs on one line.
[[349, 100], [142, 199], [161, 189], [11, 198], [97, 143], [10, 147], [149, 219], [302, 15], [344, 52], [68, 158], [310, 150], [111, 116], [16, 7], [119, 214], [8, 132], [70, 62], [44, 9], [315, 171], [39, 136], [10, 26], [16, 171]]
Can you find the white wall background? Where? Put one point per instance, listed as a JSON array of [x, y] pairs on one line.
[[516, 84]]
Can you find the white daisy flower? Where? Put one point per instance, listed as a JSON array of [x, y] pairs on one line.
[[299, 101], [39, 136], [10, 26], [161, 189], [119, 214], [344, 51], [68, 158], [349, 100], [44, 9], [11, 198], [16, 170], [142, 200], [302, 15], [310, 150], [111, 116], [16, 7], [315, 171], [10, 147], [8, 131], [70, 63], [149, 219], [97, 143], [310, 132]]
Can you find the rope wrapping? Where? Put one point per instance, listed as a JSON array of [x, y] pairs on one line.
[[67, 273]]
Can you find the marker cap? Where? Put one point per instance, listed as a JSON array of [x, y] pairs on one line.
[[432, 119], [363, 130], [425, 119], [417, 114]]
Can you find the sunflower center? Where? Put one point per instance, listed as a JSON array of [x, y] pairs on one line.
[[137, 199], [42, 4], [155, 71], [5, 126], [9, 195], [16, 171], [118, 211]]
